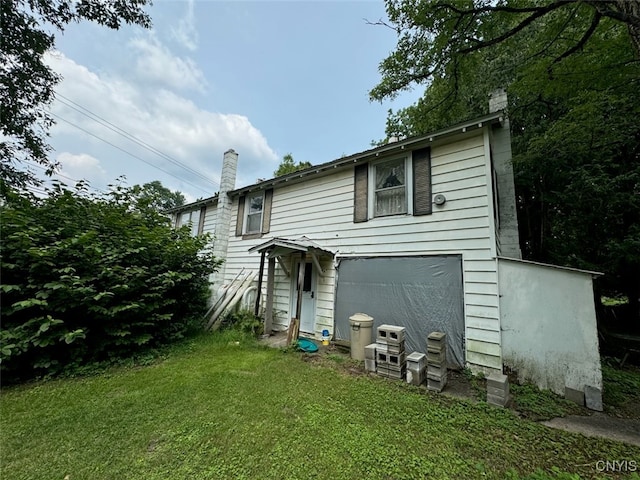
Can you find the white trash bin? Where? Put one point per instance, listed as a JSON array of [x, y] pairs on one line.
[[360, 328]]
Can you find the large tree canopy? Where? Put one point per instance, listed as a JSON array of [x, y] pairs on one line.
[[572, 71], [157, 196], [434, 36], [27, 83]]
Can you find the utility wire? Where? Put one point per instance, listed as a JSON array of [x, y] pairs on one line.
[[128, 153], [57, 174], [102, 121]]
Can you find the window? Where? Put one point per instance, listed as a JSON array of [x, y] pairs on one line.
[[393, 187], [254, 213], [194, 218], [390, 192]]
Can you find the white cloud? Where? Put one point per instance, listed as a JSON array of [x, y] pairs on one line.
[[156, 64], [160, 117], [186, 33], [81, 167]]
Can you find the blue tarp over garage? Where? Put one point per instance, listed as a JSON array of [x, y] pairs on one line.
[[423, 294]]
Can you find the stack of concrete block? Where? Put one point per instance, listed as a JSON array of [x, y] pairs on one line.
[[390, 356], [436, 361], [497, 389], [370, 358], [416, 368]]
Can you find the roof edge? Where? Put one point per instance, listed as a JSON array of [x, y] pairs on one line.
[[550, 265], [427, 138], [192, 205]]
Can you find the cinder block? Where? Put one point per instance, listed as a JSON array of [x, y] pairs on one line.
[[498, 380], [415, 376], [394, 373], [498, 392], [370, 352], [386, 348], [416, 360], [436, 337], [498, 401], [391, 359], [435, 385], [573, 395], [593, 398], [436, 373], [390, 333], [369, 365], [437, 358]]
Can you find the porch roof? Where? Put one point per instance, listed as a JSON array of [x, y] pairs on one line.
[[277, 247]]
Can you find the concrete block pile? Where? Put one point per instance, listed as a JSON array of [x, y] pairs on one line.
[[436, 361], [391, 360]]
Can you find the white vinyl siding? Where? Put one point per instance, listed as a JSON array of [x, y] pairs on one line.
[[322, 209]]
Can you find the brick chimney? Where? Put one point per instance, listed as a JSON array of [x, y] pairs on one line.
[[223, 214]]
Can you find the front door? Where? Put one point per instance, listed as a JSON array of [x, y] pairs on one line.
[[308, 309]]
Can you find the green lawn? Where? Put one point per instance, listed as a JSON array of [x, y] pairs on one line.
[[213, 409]]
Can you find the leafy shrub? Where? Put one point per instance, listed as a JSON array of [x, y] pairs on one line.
[[89, 278], [244, 321]]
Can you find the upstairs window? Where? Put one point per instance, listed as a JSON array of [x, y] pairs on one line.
[[254, 213], [401, 186], [195, 219], [390, 188]]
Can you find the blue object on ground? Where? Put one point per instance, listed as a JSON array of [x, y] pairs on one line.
[[307, 345]]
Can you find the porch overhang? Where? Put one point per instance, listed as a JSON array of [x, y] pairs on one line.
[[278, 247], [274, 250]]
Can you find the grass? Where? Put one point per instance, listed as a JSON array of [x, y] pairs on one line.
[[216, 409], [537, 404], [621, 389]]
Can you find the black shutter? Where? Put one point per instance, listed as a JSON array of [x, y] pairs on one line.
[[240, 217], [266, 210], [422, 182], [203, 214], [360, 197]]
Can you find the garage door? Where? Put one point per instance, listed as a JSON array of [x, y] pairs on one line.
[[423, 294]]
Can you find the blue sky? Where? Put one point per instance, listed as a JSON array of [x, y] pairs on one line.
[[263, 78]]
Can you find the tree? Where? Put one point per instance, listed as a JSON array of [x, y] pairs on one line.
[[157, 196], [572, 71], [27, 84], [288, 165], [435, 36]]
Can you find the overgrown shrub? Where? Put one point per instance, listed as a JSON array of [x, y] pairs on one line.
[[89, 278], [244, 321]]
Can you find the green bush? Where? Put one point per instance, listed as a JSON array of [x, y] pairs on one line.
[[244, 321], [89, 278]]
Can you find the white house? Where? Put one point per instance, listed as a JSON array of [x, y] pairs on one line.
[[420, 232]]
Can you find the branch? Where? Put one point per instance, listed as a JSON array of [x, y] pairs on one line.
[[623, 17], [538, 13], [587, 35], [382, 23], [496, 8]]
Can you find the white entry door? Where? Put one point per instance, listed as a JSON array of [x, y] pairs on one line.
[[308, 310]]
